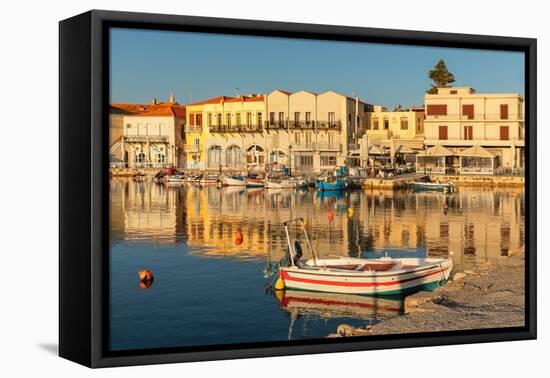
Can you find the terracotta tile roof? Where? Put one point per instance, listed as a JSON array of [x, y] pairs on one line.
[[246, 99], [167, 109], [215, 100]]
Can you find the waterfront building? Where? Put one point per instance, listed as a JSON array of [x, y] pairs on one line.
[[226, 133], [147, 135], [312, 132], [405, 125], [459, 118], [304, 131]]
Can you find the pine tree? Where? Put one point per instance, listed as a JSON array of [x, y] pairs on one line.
[[441, 77]]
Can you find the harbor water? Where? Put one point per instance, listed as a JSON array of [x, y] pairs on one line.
[[208, 249]]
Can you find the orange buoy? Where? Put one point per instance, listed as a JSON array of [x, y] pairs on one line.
[[239, 238], [145, 275], [330, 216], [145, 284]]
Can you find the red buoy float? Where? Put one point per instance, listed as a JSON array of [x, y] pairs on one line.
[[330, 216], [239, 238], [145, 275]]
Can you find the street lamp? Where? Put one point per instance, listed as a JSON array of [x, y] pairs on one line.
[[290, 160]]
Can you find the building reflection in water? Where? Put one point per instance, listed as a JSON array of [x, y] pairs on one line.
[[479, 224]]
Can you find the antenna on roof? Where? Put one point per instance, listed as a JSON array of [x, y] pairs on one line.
[[172, 98]]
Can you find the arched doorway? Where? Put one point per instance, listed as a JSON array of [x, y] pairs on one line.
[[277, 156], [214, 157], [255, 155], [233, 155]]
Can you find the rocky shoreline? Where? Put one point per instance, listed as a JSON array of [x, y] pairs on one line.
[[491, 295]]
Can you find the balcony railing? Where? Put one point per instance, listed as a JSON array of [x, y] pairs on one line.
[[303, 125], [477, 117], [146, 138], [239, 128], [193, 148], [193, 129]]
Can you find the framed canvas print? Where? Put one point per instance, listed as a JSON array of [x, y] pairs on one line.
[[234, 188]]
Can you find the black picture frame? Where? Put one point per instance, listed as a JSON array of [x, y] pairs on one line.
[[83, 182]]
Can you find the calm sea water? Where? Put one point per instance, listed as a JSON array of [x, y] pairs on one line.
[[209, 287]]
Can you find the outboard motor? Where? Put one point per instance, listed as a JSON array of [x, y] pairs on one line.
[[298, 252]]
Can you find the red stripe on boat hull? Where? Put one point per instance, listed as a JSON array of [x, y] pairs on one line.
[[286, 277]]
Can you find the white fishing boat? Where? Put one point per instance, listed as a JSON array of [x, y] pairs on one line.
[[254, 183], [348, 275], [280, 184], [209, 180], [234, 181], [174, 178]]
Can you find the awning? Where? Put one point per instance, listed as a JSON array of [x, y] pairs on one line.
[[476, 151], [377, 150], [436, 151]]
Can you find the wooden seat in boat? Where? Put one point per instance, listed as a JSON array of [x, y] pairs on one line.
[[378, 267]]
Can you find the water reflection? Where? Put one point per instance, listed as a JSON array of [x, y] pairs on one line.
[[208, 247], [478, 225]]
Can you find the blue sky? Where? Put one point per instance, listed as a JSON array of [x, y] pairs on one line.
[[199, 66]]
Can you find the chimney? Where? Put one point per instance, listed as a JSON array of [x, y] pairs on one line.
[[154, 102], [172, 98]]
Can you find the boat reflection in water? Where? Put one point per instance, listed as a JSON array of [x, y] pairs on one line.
[[329, 306]]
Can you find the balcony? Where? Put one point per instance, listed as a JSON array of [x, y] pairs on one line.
[[193, 148], [146, 138], [193, 129], [239, 128], [303, 125]]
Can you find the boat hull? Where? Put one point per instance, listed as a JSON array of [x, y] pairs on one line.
[[331, 186], [397, 283], [285, 184], [419, 186], [231, 181], [252, 183]]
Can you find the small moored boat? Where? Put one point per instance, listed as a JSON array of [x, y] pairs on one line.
[[280, 184], [234, 181], [439, 186], [208, 180], [254, 183], [383, 276]]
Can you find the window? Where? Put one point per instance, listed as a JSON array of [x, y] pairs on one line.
[[297, 138], [191, 119], [404, 123], [468, 132], [454, 91], [305, 161], [349, 119], [219, 119], [468, 111], [197, 142], [199, 119], [504, 111], [296, 118], [308, 118], [308, 138], [386, 124], [140, 157], [209, 119], [228, 120], [160, 158], [128, 125], [331, 118], [248, 119], [271, 118], [330, 139], [281, 117], [504, 133], [328, 160], [436, 110], [443, 132], [375, 124], [259, 115], [238, 119]]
